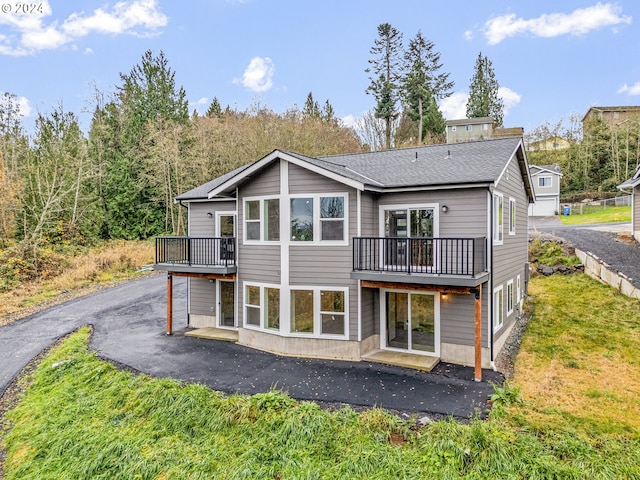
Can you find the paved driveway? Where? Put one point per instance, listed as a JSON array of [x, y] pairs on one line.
[[602, 240], [129, 325]]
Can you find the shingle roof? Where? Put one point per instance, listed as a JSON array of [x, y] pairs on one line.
[[479, 162], [446, 164]]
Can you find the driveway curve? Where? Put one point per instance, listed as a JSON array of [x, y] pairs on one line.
[[129, 325], [602, 240]]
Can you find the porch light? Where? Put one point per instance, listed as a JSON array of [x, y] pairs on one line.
[[209, 214], [444, 295], [445, 209]]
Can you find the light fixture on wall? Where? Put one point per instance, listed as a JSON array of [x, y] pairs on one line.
[[209, 214], [444, 295], [445, 209]]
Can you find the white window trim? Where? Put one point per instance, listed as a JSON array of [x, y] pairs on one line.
[[230, 213], [316, 218], [498, 320], [512, 210], [410, 206], [263, 298], [317, 317], [498, 233], [261, 221], [518, 289], [541, 177], [511, 301]]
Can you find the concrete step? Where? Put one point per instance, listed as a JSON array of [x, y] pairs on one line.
[[213, 333], [401, 359]]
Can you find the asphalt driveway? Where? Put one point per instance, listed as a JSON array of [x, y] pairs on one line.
[[129, 325]]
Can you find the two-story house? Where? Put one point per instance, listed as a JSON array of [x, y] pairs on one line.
[[632, 186], [417, 251], [546, 186]]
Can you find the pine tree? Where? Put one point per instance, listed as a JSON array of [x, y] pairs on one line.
[[311, 108], [483, 93], [214, 110], [422, 85], [386, 69]]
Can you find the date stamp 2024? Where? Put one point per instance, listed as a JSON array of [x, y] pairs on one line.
[[19, 8]]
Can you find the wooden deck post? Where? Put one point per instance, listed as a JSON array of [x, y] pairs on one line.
[[478, 334], [169, 303]]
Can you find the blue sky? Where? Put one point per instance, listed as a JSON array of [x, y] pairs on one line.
[[552, 59]]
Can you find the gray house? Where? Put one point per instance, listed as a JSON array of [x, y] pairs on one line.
[[546, 186], [418, 252], [633, 186]]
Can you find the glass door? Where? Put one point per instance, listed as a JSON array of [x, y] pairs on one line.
[[411, 322], [226, 230], [227, 302], [417, 226]]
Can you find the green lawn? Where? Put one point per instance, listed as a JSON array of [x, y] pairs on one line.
[[82, 418], [611, 214]]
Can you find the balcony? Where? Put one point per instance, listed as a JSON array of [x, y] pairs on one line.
[[437, 261], [209, 255]]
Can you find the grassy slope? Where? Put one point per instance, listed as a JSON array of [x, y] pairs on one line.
[[611, 214], [82, 418]]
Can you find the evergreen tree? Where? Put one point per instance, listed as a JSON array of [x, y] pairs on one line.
[[386, 71], [327, 114], [214, 110], [422, 85], [311, 108], [483, 93]]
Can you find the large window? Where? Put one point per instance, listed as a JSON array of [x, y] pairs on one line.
[[510, 297], [252, 303], [262, 219], [318, 311], [498, 308], [512, 216], [498, 218], [318, 218]]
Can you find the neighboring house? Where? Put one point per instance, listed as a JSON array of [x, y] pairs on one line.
[[419, 251], [546, 185], [549, 144], [613, 116], [468, 129], [633, 186]]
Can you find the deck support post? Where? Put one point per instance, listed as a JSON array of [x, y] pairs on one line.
[[169, 303], [478, 333]]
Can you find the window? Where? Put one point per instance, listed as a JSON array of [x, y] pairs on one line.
[[544, 181], [468, 128], [318, 311], [498, 218], [262, 219], [512, 216], [252, 305], [485, 126], [262, 306], [518, 291], [510, 298], [498, 308], [318, 219]]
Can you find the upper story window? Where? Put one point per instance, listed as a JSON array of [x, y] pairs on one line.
[[544, 181], [498, 218], [512, 216], [468, 128], [318, 218], [262, 219]]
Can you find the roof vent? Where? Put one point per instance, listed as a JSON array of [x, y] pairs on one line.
[[415, 159], [448, 155]]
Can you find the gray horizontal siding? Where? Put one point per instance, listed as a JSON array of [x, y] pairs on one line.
[[368, 313], [457, 318], [259, 263], [202, 296], [200, 225]]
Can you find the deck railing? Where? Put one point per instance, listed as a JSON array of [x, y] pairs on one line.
[[436, 256], [196, 251]]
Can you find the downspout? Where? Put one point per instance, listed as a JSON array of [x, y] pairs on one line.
[[490, 293]]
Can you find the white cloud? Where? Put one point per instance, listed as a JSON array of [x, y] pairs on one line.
[[258, 75], [454, 107], [349, 121], [509, 98], [579, 22], [630, 90], [468, 35], [202, 101], [32, 33]]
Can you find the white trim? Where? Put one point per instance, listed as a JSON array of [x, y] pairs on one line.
[[317, 313], [498, 325], [410, 206], [511, 301], [219, 304], [230, 213], [512, 215], [263, 302], [261, 220], [498, 239], [550, 177], [518, 288], [436, 321]]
